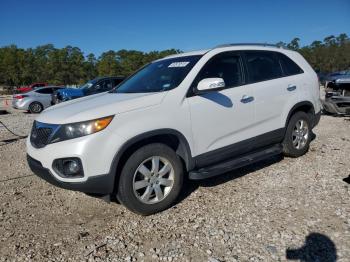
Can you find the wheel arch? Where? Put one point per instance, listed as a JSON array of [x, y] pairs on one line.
[[36, 102], [304, 106], [171, 137]]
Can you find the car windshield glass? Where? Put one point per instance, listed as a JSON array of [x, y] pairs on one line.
[[88, 84], [158, 76]]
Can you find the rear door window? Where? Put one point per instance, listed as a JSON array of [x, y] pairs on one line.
[[289, 67], [45, 91], [262, 66]]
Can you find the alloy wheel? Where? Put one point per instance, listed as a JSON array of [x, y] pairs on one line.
[[36, 108], [300, 134], [153, 180]]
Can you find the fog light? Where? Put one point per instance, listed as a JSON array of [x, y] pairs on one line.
[[71, 167], [68, 167]]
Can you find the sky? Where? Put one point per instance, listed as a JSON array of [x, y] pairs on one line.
[[146, 25]]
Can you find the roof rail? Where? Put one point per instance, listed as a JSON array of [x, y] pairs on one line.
[[251, 44]]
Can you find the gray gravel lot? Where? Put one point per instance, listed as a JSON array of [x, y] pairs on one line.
[[257, 213]]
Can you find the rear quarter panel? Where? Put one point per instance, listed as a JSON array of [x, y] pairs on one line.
[[308, 86]]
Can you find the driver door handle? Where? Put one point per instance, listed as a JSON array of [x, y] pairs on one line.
[[247, 99], [291, 87]]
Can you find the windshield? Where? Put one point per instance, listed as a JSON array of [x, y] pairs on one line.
[[88, 84], [159, 76]]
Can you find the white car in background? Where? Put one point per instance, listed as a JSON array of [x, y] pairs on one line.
[[196, 114], [36, 100]]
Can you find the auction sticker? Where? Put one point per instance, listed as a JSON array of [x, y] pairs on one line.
[[179, 64]]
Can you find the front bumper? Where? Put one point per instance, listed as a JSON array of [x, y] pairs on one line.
[[339, 105], [102, 184], [96, 152]]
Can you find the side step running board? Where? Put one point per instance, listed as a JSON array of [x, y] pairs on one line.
[[235, 163]]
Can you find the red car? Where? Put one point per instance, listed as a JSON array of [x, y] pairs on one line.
[[24, 89]]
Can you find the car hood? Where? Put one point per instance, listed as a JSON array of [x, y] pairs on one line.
[[335, 77], [96, 106], [64, 92]]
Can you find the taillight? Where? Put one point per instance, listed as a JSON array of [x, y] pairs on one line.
[[19, 96]]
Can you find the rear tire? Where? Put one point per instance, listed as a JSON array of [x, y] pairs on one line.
[[35, 108], [298, 135], [151, 179]]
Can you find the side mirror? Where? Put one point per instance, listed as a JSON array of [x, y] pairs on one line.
[[210, 84]]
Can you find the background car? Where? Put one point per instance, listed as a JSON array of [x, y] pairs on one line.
[[33, 86], [336, 104], [332, 79], [95, 86], [36, 100], [337, 97]]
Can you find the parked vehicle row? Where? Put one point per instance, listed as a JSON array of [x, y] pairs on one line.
[[92, 87], [40, 98], [196, 114]]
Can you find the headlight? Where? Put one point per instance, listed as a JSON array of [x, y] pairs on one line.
[[74, 130]]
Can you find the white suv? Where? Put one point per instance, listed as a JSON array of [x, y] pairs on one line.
[[196, 114]]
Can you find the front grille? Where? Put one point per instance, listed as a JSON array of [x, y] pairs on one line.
[[40, 136]]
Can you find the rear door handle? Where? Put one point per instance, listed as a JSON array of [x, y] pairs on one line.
[[247, 99], [291, 87]]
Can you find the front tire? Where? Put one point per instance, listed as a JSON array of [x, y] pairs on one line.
[[35, 108], [298, 135], [151, 179]]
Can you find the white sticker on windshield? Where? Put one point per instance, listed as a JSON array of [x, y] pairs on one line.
[[179, 64]]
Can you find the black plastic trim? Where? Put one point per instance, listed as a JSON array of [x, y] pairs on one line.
[[240, 148], [57, 166], [102, 184], [299, 105], [235, 163]]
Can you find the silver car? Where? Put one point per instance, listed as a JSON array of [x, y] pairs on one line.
[[36, 100]]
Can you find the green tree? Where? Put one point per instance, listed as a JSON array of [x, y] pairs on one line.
[[108, 64], [294, 44], [90, 68]]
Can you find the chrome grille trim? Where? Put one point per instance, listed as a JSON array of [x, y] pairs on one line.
[[42, 134]]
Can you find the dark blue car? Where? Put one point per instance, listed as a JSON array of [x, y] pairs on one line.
[[95, 86], [336, 80]]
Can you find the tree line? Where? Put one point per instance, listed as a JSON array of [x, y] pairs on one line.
[[331, 54], [69, 65]]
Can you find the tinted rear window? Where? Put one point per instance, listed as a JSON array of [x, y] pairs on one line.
[[262, 65], [44, 91], [288, 66]]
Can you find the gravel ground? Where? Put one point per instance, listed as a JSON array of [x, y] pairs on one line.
[[276, 210]]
